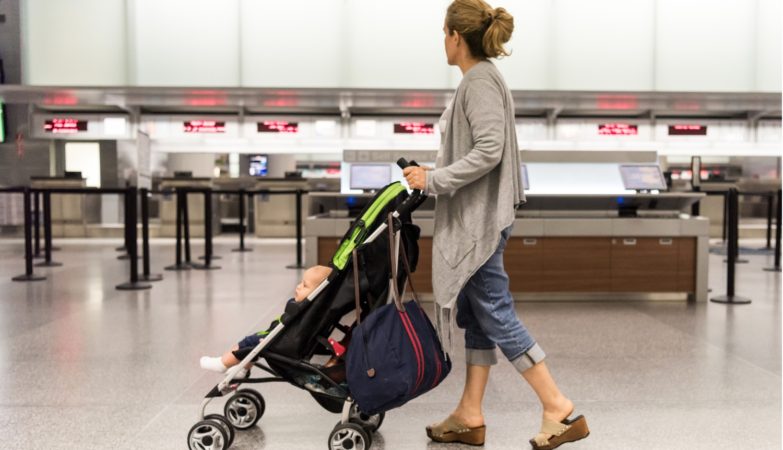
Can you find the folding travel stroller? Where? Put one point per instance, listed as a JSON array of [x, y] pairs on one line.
[[305, 328]]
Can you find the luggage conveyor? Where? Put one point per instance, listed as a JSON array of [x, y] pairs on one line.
[[568, 247]]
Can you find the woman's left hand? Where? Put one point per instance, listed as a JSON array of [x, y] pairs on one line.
[[416, 176]]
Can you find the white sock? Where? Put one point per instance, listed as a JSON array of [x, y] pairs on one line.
[[213, 363]]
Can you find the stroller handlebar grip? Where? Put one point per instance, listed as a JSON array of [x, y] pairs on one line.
[[417, 197]]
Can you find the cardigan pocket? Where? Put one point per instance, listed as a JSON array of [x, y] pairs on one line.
[[454, 245]]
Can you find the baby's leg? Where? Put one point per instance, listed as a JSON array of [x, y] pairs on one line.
[[228, 359]]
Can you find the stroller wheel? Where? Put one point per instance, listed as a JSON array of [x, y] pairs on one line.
[[226, 426], [207, 435], [369, 423], [243, 410], [349, 436], [257, 395]]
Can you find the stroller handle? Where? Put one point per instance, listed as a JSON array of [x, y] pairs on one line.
[[417, 197]]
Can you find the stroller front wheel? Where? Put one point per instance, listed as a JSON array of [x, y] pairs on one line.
[[349, 436], [369, 423]]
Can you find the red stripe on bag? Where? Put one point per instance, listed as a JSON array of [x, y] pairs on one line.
[[421, 352], [434, 352], [416, 349]]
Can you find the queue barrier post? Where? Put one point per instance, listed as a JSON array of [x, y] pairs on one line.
[[47, 216], [242, 247], [131, 222], [179, 264], [207, 233], [776, 267], [28, 244], [733, 249], [298, 264], [145, 237]]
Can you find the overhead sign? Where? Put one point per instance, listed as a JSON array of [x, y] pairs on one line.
[[277, 126], [687, 130], [204, 126], [618, 129], [65, 126], [414, 128]]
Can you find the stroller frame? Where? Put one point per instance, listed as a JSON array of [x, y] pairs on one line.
[[353, 425]]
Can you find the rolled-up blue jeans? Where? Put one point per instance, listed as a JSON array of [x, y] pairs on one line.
[[485, 310]]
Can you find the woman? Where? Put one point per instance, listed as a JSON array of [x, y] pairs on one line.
[[477, 184]]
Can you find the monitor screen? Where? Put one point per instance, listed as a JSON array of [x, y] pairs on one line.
[[643, 177], [370, 176], [524, 177], [258, 165]]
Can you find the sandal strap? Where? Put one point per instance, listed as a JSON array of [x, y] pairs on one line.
[[450, 425]]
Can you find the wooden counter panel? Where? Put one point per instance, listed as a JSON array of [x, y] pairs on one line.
[[422, 278], [522, 260], [644, 264], [686, 265], [575, 265], [327, 247]]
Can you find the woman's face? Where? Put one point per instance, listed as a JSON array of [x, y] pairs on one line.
[[451, 43]]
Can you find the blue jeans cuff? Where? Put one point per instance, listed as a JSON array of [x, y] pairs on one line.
[[481, 357], [530, 358]]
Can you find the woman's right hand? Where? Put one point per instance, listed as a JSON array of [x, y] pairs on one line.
[[416, 176]]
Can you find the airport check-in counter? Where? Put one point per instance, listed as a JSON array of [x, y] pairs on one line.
[[568, 247], [67, 210], [168, 206], [275, 215]]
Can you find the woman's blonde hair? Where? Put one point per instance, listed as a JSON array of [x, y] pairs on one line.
[[485, 29]]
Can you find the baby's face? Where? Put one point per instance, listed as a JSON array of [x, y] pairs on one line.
[[310, 280]]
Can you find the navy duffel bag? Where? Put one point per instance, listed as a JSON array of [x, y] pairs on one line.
[[395, 354]]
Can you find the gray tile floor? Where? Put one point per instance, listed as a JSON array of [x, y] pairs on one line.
[[84, 366]]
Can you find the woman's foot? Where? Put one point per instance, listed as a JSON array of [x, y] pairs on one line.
[[454, 429], [559, 410], [470, 420]]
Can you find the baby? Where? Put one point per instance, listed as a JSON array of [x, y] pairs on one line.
[[311, 279]]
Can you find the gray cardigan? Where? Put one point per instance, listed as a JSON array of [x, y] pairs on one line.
[[476, 180]]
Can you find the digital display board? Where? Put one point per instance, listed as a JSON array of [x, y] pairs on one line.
[[259, 165], [370, 176], [278, 126], [414, 128], [618, 129], [204, 126], [687, 130], [65, 126], [643, 177]]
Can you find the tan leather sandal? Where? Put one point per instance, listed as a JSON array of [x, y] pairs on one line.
[[450, 430], [554, 434]]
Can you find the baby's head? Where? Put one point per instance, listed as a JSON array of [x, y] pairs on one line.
[[312, 277]]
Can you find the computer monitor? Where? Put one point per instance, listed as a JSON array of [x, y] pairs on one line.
[[370, 177], [643, 177], [259, 165], [524, 177]]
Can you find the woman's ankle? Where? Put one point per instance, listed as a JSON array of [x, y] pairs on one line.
[[468, 417], [558, 409]]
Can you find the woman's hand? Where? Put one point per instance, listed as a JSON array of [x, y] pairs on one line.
[[416, 176]]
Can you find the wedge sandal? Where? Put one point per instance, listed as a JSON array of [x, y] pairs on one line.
[[560, 433], [452, 431]]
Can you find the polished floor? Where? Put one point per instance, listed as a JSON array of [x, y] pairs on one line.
[[84, 366]]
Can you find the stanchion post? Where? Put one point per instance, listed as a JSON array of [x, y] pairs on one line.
[[776, 267], [179, 264], [186, 225], [770, 207], [127, 240], [28, 244], [131, 223], [298, 264], [145, 237], [242, 247], [37, 224], [207, 233], [47, 213], [725, 214], [733, 248]]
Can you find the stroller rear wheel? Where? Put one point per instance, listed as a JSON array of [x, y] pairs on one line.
[[207, 435], [243, 410], [226, 426], [349, 436], [369, 423]]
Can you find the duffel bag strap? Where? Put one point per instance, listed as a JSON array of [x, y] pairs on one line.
[[356, 289], [407, 267], [393, 255]]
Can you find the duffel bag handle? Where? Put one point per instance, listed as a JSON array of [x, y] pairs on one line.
[[394, 262]]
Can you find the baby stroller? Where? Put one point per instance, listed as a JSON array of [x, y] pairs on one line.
[[304, 329]]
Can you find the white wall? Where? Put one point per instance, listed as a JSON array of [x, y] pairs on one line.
[[84, 157], [705, 45], [201, 164], [74, 43], [293, 43], [185, 42], [604, 45]]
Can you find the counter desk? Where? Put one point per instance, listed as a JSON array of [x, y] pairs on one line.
[[577, 254]]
